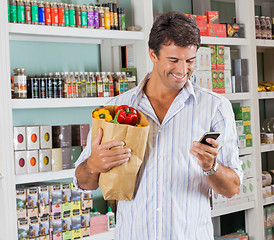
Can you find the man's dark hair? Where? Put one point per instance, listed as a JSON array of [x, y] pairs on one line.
[[173, 27]]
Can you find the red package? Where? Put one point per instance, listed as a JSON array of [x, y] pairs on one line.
[[216, 30], [212, 17], [201, 24]]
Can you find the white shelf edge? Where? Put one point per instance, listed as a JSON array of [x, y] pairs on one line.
[[109, 235], [237, 96], [29, 32], [269, 200], [267, 147], [231, 209], [224, 41], [266, 95], [244, 151], [58, 102], [264, 43], [44, 176]]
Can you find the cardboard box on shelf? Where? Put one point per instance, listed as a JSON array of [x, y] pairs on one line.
[[20, 162], [247, 126], [33, 137], [21, 203], [45, 137], [19, 138], [227, 58], [267, 138], [216, 30], [239, 127], [228, 85], [32, 161], [212, 16], [32, 202], [235, 30]]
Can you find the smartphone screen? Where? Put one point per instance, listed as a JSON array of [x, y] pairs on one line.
[[207, 135]]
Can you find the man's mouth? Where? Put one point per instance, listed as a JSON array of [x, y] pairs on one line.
[[179, 77]]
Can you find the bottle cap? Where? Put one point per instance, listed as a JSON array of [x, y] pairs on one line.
[[109, 209]]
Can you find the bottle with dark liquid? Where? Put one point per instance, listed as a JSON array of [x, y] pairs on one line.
[[258, 27]]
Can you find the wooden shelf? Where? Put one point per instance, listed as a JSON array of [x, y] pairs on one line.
[[224, 41], [29, 32], [44, 176], [231, 209], [58, 102]]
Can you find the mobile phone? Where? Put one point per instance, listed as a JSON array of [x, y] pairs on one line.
[[207, 135]]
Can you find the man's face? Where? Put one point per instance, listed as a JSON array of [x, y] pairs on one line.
[[174, 65]]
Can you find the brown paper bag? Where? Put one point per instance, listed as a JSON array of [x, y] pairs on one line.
[[119, 182]]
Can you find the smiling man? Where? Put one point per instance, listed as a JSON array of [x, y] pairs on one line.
[[171, 199]]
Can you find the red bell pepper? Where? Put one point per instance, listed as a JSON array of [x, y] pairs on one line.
[[126, 115]]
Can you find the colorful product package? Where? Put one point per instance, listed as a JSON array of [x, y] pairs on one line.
[[23, 228], [56, 200], [76, 222], [45, 137], [43, 195], [98, 224], [44, 160], [33, 228], [212, 16], [66, 224], [19, 138], [20, 162], [33, 137], [32, 161], [67, 235], [220, 57], [201, 22], [44, 227], [32, 202], [56, 159], [216, 30], [21, 203], [76, 234]]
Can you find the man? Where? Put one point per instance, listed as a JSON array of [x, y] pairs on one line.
[[172, 194]]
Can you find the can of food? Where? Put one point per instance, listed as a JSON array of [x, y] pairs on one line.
[[27, 12], [61, 14], [72, 20], [50, 87], [34, 12], [47, 14], [20, 11], [101, 18], [66, 15], [110, 5], [59, 87], [84, 16], [54, 14], [115, 16], [78, 15], [96, 17], [13, 11], [107, 18], [41, 13], [90, 16]]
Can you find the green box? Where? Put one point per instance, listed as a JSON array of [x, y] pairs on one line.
[[248, 138], [239, 127], [241, 141], [220, 51], [242, 113], [75, 153], [67, 235], [76, 234], [247, 127], [66, 210]]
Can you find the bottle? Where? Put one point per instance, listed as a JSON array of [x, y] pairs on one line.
[[273, 28], [66, 14], [78, 16], [268, 28], [54, 14], [105, 85], [72, 19], [111, 219], [258, 27], [94, 212], [90, 16], [263, 27], [111, 84], [13, 11], [107, 17], [100, 89], [122, 17]]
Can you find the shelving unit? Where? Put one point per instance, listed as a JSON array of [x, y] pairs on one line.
[[267, 147], [107, 40]]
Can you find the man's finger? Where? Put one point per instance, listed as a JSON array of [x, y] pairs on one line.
[[112, 144], [98, 139]]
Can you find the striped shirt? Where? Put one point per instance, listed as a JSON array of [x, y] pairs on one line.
[[172, 196]]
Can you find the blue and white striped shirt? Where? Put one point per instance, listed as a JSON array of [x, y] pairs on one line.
[[172, 197]]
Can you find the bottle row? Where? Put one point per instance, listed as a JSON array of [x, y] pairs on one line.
[[269, 222], [106, 16], [58, 211], [70, 84], [263, 27]]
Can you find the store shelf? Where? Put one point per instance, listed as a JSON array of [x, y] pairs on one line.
[[244, 151], [266, 95], [101, 236], [264, 43], [237, 96], [44, 176], [231, 209], [29, 32], [267, 147], [224, 41], [269, 200], [58, 102]]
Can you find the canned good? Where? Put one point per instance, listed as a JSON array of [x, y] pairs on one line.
[[101, 18], [27, 11], [96, 17], [90, 16], [54, 14], [122, 17], [72, 20], [107, 18], [61, 14], [20, 11], [41, 13], [115, 16], [50, 87], [84, 17], [66, 14], [110, 5], [47, 13], [8, 3], [43, 87], [78, 15], [13, 11], [34, 12]]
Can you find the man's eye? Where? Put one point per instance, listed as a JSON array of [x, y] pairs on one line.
[[173, 61]]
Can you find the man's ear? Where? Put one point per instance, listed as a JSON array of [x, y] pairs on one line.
[[152, 55]]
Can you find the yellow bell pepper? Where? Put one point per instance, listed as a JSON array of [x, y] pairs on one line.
[[102, 114]]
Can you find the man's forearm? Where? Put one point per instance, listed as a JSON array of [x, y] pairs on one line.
[[85, 179], [225, 181]]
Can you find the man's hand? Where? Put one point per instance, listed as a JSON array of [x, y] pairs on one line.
[[106, 156], [206, 154]]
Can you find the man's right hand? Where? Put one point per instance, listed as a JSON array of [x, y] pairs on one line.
[[107, 155]]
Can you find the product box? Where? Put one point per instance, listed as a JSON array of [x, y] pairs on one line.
[[220, 57], [75, 194], [21, 203], [66, 192], [203, 59], [45, 137], [56, 200], [66, 158], [75, 154], [20, 162], [207, 79], [67, 235], [248, 138], [76, 222], [43, 196], [44, 227], [56, 225], [250, 189], [218, 82], [23, 228], [44, 160], [213, 57], [61, 136], [32, 202], [241, 141], [66, 224], [244, 167], [75, 208], [32, 161], [19, 138], [227, 58], [236, 82], [76, 234], [85, 232], [66, 210], [216, 30], [201, 22], [245, 85], [98, 224], [228, 85], [240, 67], [267, 138], [86, 200], [247, 126], [79, 134], [250, 171], [85, 218], [235, 30], [33, 141], [131, 75], [239, 127], [212, 16], [199, 78], [242, 113], [33, 228], [56, 159]]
